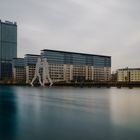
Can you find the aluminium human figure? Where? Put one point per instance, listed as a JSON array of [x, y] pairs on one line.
[[46, 74], [37, 74]]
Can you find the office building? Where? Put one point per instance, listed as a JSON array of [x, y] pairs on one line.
[[66, 67], [77, 67], [30, 63], [128, 75], [18, 67], [8, 48]]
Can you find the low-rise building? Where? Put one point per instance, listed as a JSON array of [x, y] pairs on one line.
[[18, 68], [65, 67], [72, 66], [128, 75], [30, 63]]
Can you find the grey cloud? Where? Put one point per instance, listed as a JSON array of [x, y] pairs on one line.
[[110, 27]]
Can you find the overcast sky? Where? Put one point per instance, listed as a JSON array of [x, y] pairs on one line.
[[108, 27]]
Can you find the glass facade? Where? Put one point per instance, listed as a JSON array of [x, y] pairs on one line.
[[30, 59], [61, 57], [18, 70], [18, 62], [6, 71], [65, 66], [8, 48]]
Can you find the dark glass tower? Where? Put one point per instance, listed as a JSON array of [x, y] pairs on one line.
[[8, 48]]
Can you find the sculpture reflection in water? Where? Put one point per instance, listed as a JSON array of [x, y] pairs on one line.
[[45, 73]]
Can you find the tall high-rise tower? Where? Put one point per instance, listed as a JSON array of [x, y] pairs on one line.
[[8, 48]]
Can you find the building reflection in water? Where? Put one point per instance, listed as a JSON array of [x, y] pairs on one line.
[[63, 113], [125, 107], [125, 114], [7, 113]]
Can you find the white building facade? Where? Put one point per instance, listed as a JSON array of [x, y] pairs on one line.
[[77, 67], [30, 63], [69, 67], [128, 75], [18, 70]]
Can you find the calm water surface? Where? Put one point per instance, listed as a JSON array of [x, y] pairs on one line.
[[30, 113]]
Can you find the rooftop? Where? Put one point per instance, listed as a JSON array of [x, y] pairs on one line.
[[31, 55], [18, 58], [8, 22], [129, 69], [75, 53]]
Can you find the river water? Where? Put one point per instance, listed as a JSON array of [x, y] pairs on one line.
[[56, 113]]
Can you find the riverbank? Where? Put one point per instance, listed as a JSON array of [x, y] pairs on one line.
[[95, 84]]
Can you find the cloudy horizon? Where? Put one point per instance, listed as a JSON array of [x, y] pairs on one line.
[[110, 27]]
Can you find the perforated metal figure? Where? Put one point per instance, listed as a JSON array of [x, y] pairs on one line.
[[37, 74], [46, 74]]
